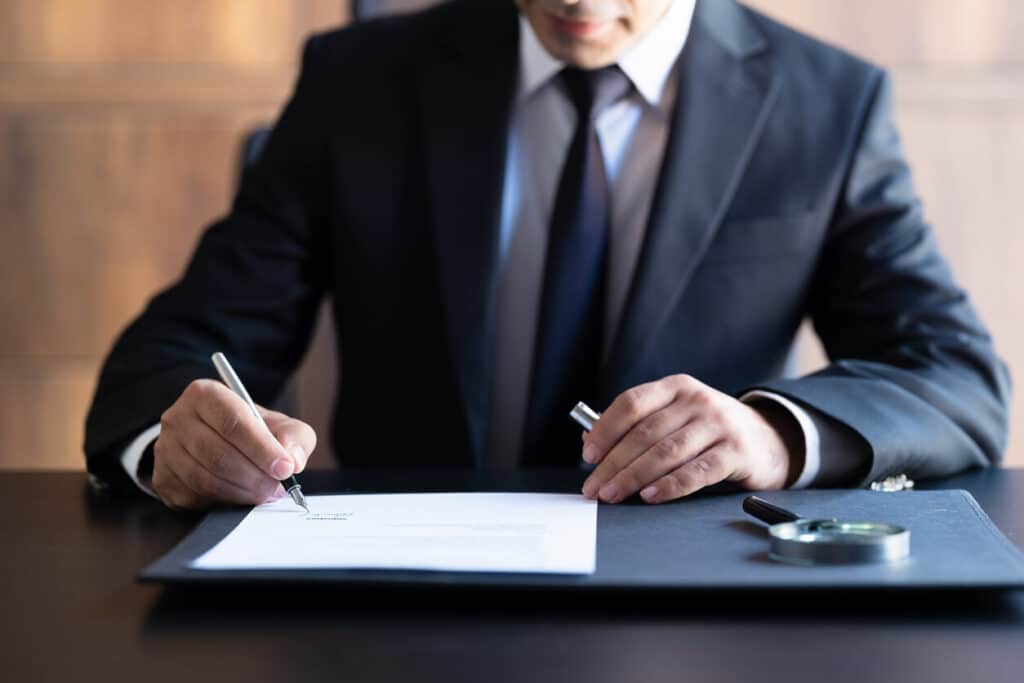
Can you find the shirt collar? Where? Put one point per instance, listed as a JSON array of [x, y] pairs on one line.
[[647, 64], [536, 65]]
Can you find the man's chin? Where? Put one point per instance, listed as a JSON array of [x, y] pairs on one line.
[[582, 55]]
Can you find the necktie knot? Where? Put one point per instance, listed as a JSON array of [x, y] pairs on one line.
[[591, 90]]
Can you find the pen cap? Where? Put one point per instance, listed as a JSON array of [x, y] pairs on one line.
[[231, 379], [584, 415], [766, 512]]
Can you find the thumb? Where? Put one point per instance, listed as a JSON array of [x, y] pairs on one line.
[[297, 437]]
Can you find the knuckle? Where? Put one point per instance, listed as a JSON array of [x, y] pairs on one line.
[[196, 481], [597, 438], [163, 453], [705, 464], [717, 460], [684, 482], [294, 431], [159, 482], [699, 470], [176, 500], [684, 382], [310, 436], [187, 500], [211, 489], [702, 399], [167, 491], [632, 402], [229, 423], [203, 386], [647, 431], [720, 422], [697, 473], [168, 499], [662, 423], [630, 480], [196, 390], [669, 487], [667, 448], [696, 480], [218, 460]]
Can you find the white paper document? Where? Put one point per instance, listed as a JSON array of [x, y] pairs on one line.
[[481, 532]]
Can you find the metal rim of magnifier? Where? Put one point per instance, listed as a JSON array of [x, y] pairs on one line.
[[827, 541]]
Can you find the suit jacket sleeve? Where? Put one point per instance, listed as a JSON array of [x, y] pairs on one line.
[[913, 374], [252, 290]]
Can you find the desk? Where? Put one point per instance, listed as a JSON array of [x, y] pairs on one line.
[[73, 611]]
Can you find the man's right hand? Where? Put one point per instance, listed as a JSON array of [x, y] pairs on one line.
[[212, 450]]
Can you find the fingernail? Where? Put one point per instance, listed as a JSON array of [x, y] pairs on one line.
[[590, 452], [609, 493], [649, 492], [299, 454], [588, 488], [281, 468]]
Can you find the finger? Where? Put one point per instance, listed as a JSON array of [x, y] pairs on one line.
[[167, 485], [710, 467], [229, 416], [628, 408], [645, 434], [206, 487], [297, 437], [224, 461], [663, 457]]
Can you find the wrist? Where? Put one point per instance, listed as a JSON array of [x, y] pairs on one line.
[[789, 438]]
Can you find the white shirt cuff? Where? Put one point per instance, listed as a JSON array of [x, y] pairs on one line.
[[812, 439], [133, 454]]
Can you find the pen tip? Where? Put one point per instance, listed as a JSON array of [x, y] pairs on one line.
[[296, 494]]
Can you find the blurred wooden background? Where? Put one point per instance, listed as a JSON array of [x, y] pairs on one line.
[[120, 123]]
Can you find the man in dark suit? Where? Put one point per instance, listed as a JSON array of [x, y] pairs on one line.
[[629, 202]]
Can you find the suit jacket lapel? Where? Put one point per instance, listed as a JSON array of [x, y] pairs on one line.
[[723, 100], [466, 98]]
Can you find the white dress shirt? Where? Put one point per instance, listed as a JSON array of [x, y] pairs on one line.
[[633, 134]]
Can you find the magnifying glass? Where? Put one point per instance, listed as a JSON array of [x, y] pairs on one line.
[[828, 541]]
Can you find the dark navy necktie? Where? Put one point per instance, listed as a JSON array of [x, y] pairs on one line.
[[567, 350]]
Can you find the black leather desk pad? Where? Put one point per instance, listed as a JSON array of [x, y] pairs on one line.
[[703, 543]]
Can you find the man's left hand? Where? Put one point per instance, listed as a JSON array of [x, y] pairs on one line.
[[670, 438]]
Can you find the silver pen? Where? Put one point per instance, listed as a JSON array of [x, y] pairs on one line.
[[229, 377], [584, 415]]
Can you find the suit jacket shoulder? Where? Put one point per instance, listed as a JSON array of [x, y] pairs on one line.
[[818, 59]]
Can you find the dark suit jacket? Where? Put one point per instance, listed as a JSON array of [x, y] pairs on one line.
[[784, 194]]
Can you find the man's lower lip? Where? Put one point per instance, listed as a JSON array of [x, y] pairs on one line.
[[577, 29]]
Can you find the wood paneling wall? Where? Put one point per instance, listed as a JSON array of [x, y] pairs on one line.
[[119, 126], [120, 123]]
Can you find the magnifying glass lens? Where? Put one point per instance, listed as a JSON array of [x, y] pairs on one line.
[[832, 542]]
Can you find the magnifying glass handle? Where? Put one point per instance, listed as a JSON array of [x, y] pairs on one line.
[[766, 512]]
